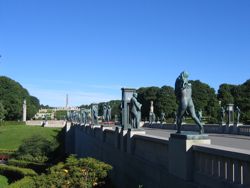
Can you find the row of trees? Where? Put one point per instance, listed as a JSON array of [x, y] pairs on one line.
[[12, 95], [164, 99], [239, 95], [205, 99]]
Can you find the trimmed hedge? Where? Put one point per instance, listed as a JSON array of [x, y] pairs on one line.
[[26, 182], [6, 123], [38, 167], [3, 181], [16, 173], [7, 151]]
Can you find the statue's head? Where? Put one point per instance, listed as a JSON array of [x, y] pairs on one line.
[[135, 95], [184, 75]]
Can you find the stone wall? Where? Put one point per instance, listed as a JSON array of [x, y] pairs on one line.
[[50, 123], [139, 159]]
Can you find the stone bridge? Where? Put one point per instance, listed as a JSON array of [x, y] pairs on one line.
[[145, 158]]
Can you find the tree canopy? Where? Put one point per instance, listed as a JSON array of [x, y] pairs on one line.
[[12, 95], [239, 95]]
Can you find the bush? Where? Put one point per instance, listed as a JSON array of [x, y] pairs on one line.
[[26, 182], [7, 152], [3, 181], [80, 173], [15, 173], [36, 149], [37, 167], [212, 120], [6, 123]]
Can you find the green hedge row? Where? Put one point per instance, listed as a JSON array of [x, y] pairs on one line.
[[26, 182], [3, 181], [37, 167], [7, 151], [6, 123], [15, 173]]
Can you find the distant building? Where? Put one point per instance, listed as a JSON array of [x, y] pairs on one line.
[[50, 113]]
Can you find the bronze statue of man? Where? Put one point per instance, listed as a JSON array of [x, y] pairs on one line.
[[238, 112], [135, 112], [109, 112], [183, 92]]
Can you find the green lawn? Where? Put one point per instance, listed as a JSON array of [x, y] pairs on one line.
[[11, 136], [3, 181]]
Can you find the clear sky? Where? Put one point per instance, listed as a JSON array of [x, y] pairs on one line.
[[91, 48]]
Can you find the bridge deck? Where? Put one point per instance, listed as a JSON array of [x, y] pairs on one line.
[[229, 140]]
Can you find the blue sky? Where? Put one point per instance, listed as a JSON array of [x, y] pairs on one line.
[[91, 48]]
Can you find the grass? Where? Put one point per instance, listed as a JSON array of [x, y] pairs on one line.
[[11, 136], [3, 181]]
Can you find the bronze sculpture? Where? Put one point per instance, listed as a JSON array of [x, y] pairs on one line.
[[183, 92]]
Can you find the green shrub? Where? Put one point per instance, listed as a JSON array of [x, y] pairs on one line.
[[7, 151], [82, 173], [15, 173], [36, 149], [37, 167], [3, 181], [26, 182], [7, 123], [212, 120]]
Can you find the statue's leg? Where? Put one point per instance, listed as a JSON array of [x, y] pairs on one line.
[[180, 114], [137, 123], [191, 110], [132, 121]]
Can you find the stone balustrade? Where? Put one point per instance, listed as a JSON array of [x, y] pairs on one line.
[[219, 166], [244, 130]]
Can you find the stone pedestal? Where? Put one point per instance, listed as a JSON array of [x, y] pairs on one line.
[[123, 140], [181, 155], [103, 128], [230, 118], [235, 128], [24, 110], [130, 134]]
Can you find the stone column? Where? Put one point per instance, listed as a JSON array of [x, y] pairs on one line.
[[230, 118], [127, 94], [24, 110], [152, 106], [181, 155]]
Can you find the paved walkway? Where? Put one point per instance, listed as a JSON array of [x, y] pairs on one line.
[[235, 141]]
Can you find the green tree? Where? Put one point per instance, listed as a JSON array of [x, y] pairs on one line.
[[225, 94], [33, 105], [36, 149], [242, 99], [116, 108], [60, 114], [205, 99], [145, 96], [12, 95], [165, 101]]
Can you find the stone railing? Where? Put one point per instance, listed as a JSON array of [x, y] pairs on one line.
[[217, 166], [244, 130]]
